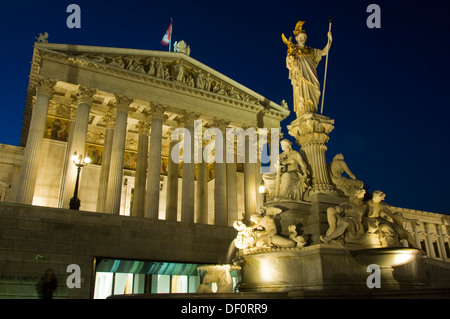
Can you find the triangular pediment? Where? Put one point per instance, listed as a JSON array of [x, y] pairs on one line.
[[174, 69]]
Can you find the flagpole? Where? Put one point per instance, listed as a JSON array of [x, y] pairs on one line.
[[326, 67], [171, 33]]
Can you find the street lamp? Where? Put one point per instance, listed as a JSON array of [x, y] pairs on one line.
[[262, 190], [79, 162]]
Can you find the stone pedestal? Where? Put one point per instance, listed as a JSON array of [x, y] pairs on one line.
[[309, 217], [324, 267], [311, 133]]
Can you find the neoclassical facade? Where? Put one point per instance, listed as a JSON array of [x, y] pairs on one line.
[[123, 109], [120, 107]]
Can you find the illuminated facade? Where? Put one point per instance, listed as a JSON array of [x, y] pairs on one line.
[[145, 222]]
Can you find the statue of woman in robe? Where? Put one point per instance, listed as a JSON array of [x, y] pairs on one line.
[[302, 62]]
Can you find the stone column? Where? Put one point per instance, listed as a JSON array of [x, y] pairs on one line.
[[141, 170], [172, 183], [188, 182], [109, 121], [311, 133], [441, 243], [429, 241], [220, 177], [249, 180], [77, 141], [112, 205], [231, 167], [67, 156], [258, 178], [416, 234], [154, 163], [30, 162], [201, 207], [232, 193]]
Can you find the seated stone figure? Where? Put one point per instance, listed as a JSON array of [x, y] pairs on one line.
[[346, 220], [293, 182], [346, 185], [390, 232], [262, 233]]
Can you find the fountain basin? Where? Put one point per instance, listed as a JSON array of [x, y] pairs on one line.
[[324, 267], [385, 257]]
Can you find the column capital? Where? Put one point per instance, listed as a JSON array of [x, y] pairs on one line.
[[45, 86], [123, 102], [157, 111], [221, 124], [108, 120], [143, 127], [85, 95], [311, 129], [190, 117], [73, 112]]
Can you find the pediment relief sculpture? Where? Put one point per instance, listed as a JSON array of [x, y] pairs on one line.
[[175, 71]]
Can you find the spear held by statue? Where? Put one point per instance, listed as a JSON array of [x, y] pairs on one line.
[[326, 67]]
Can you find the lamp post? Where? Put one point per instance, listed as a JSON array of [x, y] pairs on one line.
[[79, 162]]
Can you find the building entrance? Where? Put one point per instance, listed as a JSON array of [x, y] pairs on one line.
[[119, 276]]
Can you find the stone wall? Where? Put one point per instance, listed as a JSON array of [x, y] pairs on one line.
[[33, 239]]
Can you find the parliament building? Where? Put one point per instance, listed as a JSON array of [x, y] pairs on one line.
[[145, 222]]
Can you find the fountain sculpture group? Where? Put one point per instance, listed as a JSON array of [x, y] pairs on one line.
[[318, 229]]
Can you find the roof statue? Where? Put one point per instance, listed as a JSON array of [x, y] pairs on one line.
[[181, 46], [43, 37]]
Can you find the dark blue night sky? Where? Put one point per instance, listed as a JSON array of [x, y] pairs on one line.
[[387, 89]]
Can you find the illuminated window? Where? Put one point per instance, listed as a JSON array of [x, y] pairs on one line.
[[117, 277], [103, 285]]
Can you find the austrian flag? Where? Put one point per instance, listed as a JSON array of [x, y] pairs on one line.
[[167, 38]]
